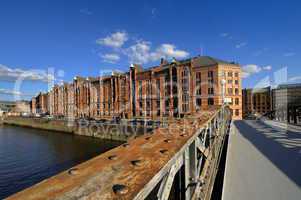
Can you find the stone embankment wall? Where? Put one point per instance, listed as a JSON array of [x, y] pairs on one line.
[[119, 132]]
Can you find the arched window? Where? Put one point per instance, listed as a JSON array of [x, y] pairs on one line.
[[185, 89]]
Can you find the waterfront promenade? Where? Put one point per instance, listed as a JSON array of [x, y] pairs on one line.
[[263, 162]]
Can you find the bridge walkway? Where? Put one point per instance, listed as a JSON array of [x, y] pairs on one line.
[[263, 162]]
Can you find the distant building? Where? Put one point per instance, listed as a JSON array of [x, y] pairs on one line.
[[44, 108], [256, 101], [22, 107], [287, 103], [33, 105], [6, 106]]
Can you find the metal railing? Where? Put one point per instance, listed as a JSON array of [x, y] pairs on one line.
[[177, 162], [200, 158]]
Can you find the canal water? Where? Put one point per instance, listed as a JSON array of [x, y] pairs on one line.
[[28, 156]]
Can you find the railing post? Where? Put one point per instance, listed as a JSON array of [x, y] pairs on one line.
[[187, 174], [190, 169]]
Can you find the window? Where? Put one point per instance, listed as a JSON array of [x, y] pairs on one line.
[[149, 88], [230, 74], [236, 74], [210, 77], [198, 101], [236, 91], [210, 91], [148, 108], [198, 82], [210, 74], [185, 89], [185, 107], [140, 89], [210, 101], [236, 112], [185, 71], [230, 91], [198, 78], [185, 97], [236, 82], [236, 101], [158, 108], [230, 81], [158, 88]]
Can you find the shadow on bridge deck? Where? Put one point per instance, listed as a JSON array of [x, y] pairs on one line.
[[282, 147]]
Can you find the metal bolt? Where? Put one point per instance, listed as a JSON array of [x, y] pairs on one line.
[[126, 145], [113, 157], [136, 162], [120, 189], [163, 151], [73, 171]]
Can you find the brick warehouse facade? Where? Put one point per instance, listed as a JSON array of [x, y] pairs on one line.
[[172, 89]]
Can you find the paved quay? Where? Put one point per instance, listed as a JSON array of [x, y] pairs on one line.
[[263, 162]]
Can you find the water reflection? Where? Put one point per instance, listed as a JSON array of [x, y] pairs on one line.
[[28, 156]]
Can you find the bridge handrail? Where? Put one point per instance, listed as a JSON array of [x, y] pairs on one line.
[[134, 170]]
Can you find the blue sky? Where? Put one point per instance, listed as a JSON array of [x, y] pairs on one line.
[[86, 37]]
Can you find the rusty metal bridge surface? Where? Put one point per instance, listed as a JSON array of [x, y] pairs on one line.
[[179, 161]]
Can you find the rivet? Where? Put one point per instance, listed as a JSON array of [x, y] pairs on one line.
[[113, 157], [73, 171], [136, 162], [126, 145], [167, 140], [163, 151], [120, 189]]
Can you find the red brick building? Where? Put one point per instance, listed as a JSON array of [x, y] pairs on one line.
[[172, 89]]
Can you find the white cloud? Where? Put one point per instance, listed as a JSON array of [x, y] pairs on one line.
[[260, 51], [115, 40], [295, 78], [110, 58], [85, 11], [289, 54], [264, 82], [10, 92], [224, 34], [268, 67], [154, 12], [242, 44], [169, 50], [141, 52], [251, 69], [12, 74], [248, 70]]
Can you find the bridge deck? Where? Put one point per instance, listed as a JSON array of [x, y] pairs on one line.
[[263, 162]]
